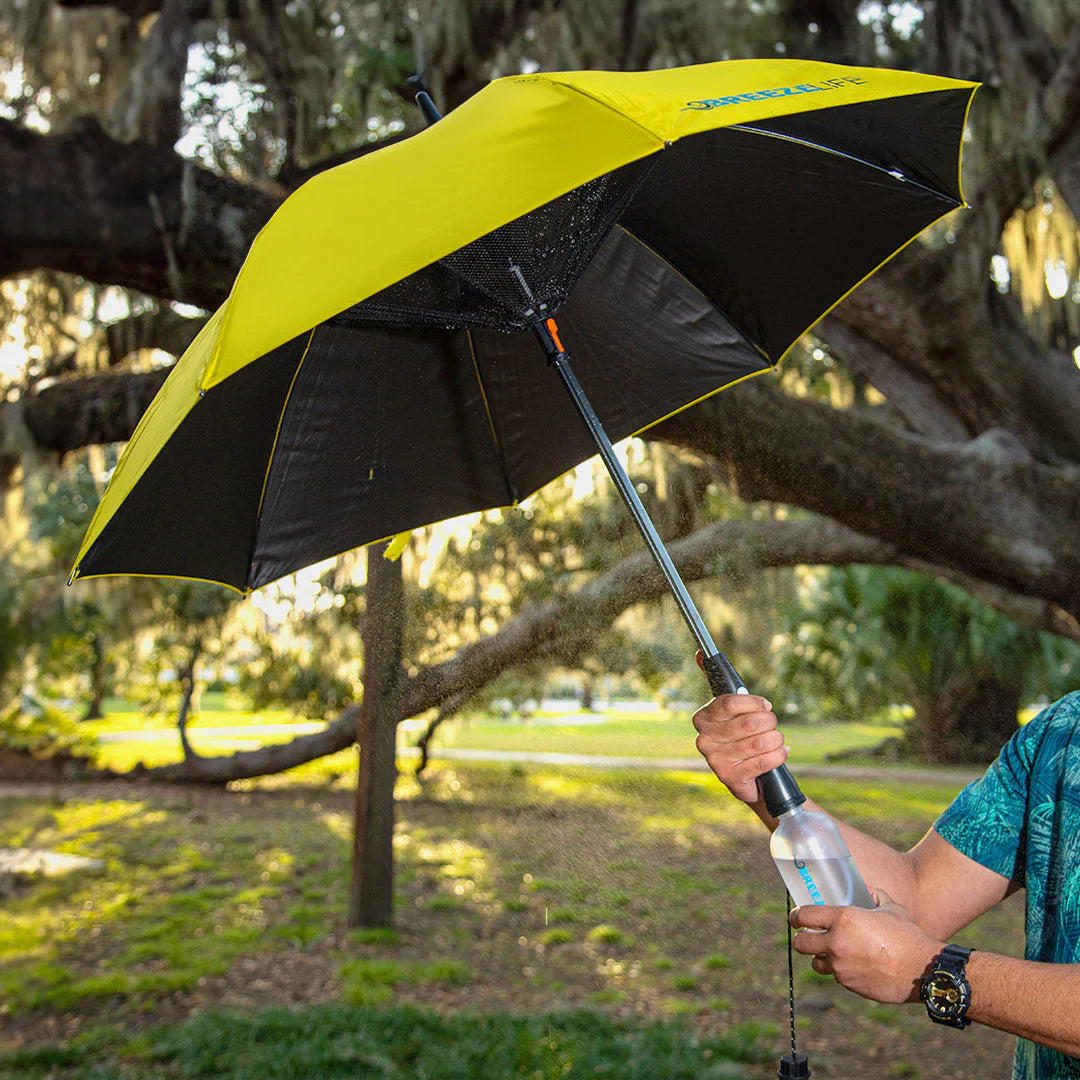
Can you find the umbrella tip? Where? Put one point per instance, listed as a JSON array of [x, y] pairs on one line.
[[423, 99]]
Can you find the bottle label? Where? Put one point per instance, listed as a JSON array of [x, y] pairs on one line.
[[808, 881]]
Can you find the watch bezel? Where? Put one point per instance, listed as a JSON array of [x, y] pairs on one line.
[[950, 1010], [953, 1014]]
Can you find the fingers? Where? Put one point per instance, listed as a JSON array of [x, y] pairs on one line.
[[726, 709], [739, 738], [729, 763]]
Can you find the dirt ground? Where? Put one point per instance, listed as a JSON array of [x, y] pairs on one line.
[[844, 1036]]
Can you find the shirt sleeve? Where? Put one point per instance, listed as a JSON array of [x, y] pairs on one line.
[[987, 820]]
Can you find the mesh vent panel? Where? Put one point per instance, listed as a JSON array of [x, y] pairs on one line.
[[477, 286]]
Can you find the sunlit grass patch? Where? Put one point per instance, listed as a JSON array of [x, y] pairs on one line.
[[367, 981], [557, 935], [862, 801], [179, 901], [609, 935]]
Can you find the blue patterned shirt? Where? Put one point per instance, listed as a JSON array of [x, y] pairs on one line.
[[1022, 820]]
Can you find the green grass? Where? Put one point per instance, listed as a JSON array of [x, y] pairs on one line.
[[177, 901], [653, 734], [518, 888], [341, 1043], [368, 982], [658, 734]]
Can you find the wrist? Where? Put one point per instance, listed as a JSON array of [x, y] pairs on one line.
[[921, 963]]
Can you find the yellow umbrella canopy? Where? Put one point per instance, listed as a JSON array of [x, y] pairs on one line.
[[368, 372]]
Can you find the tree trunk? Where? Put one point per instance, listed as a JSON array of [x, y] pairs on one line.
[[99, 683], [371, 902], [187, 693], [968, 723]]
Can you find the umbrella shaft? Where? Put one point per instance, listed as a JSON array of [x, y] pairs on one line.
[[683, 599], [778, 786]]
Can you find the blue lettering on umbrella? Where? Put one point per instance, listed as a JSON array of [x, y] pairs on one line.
[[778, 91]]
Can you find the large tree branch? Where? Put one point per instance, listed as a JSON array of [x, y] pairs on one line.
[[923, 409], [130, 214], [133, 9], [162, 328], [555, 628], [560, 627], [74, 413], [985, 508], [265, 761]]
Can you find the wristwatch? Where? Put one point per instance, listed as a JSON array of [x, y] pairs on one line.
[[945, 991]]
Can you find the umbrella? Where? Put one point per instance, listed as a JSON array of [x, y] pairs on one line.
[[374, 367]]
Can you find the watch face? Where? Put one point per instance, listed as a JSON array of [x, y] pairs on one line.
[[945, 995]]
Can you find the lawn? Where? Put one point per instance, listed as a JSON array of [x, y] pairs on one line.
[[220, 727], [550, 918]]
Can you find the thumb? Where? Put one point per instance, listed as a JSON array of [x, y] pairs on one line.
[[699, 656], [813, 916]]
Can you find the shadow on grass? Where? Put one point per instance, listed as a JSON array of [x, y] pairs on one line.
[[518, 889]]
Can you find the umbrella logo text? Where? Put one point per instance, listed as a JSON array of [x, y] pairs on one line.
[[775, 92]]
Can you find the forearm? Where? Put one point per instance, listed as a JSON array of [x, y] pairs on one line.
[[1040, 1002], [881, 866]]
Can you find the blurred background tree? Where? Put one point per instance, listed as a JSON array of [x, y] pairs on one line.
[[865, 640]]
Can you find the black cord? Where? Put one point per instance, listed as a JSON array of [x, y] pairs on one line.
[[790, 974], [793, 1066]]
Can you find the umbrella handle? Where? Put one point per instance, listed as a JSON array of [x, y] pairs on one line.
[[778, 787], [423, 100], [723, 678]]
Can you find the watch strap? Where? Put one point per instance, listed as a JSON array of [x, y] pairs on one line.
[[953, 959]]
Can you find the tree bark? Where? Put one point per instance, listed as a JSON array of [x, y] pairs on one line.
[[968, 722], [99, 684], [985, 508], [187, 680], [371, 902], [132, 214]]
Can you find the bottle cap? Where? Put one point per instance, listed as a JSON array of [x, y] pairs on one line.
[[780, 791], [794, 1067]]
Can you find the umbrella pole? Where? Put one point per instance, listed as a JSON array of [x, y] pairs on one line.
[[723, 678], [778, 786]]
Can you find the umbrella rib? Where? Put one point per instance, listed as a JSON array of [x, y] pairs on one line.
[[701, 292], [896, 174], [499, 452]]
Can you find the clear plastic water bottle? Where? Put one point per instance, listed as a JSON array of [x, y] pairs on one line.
[[808, 849], [814, 861]]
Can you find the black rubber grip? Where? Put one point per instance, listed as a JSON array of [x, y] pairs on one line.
[[778, 786], [723, 678]]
